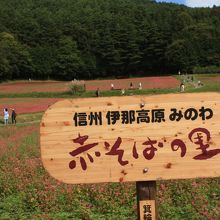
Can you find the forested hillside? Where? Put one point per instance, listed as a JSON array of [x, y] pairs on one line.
[[85, 39]]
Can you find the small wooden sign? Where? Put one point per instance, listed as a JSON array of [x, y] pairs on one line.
[[138, 138], [147, 210]]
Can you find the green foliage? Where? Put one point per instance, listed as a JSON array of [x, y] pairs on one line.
[[181, 55], [89, 39], [15, 60], [207, 69], [77, 88], [68, 62]]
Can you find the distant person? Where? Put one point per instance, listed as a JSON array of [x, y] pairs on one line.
[[131, 85], [112, 86], [6, 116], [97, 92], [122, 92], [140, 86], [182, 87], [200, 83], [13, 116]]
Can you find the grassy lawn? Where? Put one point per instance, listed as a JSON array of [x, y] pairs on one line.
[[23, 119]]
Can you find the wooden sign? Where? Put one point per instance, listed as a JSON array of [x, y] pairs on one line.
[[147, 209], [138, 138]]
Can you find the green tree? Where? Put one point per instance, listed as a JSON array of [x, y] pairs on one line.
[[15, 61], [181, 55], [68, 62], [89, 38]]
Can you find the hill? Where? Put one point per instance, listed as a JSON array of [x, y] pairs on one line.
[[86, 39]]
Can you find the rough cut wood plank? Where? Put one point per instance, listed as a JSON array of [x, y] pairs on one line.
[[58, 132]]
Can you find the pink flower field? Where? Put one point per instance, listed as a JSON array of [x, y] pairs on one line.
[[26, 105], [34, 86], [146, 82], [91, 85]]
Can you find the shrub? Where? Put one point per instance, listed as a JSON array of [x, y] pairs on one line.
[[77, 87]]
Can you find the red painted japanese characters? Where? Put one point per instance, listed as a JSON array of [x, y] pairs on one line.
[[137, 138]]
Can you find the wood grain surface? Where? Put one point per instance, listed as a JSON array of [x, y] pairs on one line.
[[182, 145]]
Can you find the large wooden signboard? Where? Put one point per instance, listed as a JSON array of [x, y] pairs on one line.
[[138, 138]]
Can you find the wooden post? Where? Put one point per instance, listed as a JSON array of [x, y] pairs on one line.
[[146, 200]]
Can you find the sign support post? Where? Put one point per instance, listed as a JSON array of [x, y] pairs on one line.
[[146, 200]]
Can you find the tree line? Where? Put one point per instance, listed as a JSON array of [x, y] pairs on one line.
[[87, 39]]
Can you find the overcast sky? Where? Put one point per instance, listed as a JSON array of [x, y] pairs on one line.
[[194, 3]]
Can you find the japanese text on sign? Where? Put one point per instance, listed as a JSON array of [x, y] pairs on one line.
[[147, 210], [140, 116], [200, 137]]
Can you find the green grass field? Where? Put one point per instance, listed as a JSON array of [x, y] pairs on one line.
[[28, 192]]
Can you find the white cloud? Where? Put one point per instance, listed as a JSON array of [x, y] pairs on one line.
[[202, 3]]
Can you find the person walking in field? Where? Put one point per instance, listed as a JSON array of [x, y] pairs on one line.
[[97, 92], [13, 116], [140, 86], [112, 86], [122, 92], [182, 87], [6, 116]]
